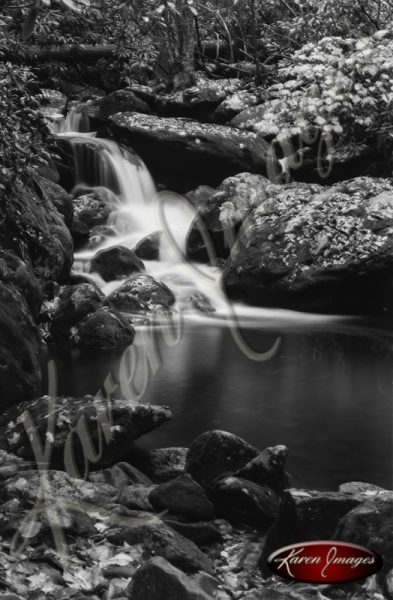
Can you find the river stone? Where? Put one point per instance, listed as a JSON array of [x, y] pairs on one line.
[[160, 540], [20, 372], [149, 247], [137, 497], [164, 464], [117, 101], [70, 307], [223, 214], [99, 234], [120, 476], [370, 524], [314, 248], [61, 199], [105, 329], [210, 91], [159, 580], [245, 502], [17, 274], [217, 454], [183, 153], [268, 468], [93, 208], [141, 292], [75, 422], [233, 105], [307, 515], [183, 496], [202, 533], [200, 196], [116, 263], [356, 487]]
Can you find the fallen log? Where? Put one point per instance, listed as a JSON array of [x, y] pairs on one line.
[[79, 53]]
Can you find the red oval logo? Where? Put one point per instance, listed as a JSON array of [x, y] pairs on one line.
[[324, 562]]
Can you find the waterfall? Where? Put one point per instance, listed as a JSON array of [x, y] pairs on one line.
[[139, 210]]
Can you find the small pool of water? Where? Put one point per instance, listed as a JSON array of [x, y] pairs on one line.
[[326, 393]]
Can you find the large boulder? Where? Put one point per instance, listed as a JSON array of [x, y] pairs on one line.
[[183, 153], [317, 249], [307, 515], [268, 469], [370, 525], [72, 305], [118, 101], [159, 580], [116, 263], [33, 229], [160, 540], [222, 215], [104, 329], [141, 292], [217, 454], [234, 104], [75, 425], [20, 373], [183, 496], [61, 199], [17, 274], [93, 207], [149, 247]]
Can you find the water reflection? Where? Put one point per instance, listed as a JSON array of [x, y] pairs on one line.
[[327, 395]]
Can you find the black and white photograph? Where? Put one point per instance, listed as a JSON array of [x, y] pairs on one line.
[[196, 299]]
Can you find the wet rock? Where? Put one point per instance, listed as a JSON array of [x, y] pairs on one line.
[[70, 307], [268, 469], [119, 101], [17, 274], [305, 516], [164, 464], [141, 293], [159, 580], [116, 263], [210, 90], [202, 534], [233, 105], [253, 119], [183, 153], [120, 476], [183, 496], [28, 487], [92, 209], [149, 247], [137, 497], [20, 372], [105, 329], [360, 487], [99, 234], [73, 423], [223, 214], [370, 524], [217, 454], [313, 248], [33, 229], [80, 233], [200, 196], [10, 465], [243, 501], [199, 302], [160, 540], [61, 199]]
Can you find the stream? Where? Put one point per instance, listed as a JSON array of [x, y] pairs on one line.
[[325, 390]]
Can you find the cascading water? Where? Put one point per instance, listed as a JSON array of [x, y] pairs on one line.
[[138, 210]]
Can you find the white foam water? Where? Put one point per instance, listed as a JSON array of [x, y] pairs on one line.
[[139, 210]]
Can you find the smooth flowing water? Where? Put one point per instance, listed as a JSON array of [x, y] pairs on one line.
[[325, 391]]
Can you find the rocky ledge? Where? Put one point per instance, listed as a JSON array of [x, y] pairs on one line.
[[178, 523], [300, 246]]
